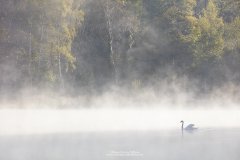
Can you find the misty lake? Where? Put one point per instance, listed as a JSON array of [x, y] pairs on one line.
[[117, 135], [218, 144]]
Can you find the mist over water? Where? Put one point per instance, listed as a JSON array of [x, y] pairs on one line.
[[116, 134], [27, 122], [120, 126]]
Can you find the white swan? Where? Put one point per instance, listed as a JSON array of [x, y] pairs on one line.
[[189, 127]]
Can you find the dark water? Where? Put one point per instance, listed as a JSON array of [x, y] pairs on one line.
[[205, 144]]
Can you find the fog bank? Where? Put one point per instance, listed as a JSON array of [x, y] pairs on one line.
[[26, 122]]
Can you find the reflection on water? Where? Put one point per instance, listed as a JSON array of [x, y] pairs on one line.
[[115, 134], [204, 144]]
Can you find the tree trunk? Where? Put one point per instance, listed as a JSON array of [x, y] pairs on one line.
[[110, 32], [60, 65]]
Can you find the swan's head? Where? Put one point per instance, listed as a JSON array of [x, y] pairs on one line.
[[181, 121]]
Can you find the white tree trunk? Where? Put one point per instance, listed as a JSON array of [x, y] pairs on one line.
[[110, 32], [60, 65]]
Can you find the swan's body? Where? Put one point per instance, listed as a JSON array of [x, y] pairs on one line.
[[189, 127]]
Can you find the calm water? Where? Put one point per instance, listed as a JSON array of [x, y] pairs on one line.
[[204, 144]]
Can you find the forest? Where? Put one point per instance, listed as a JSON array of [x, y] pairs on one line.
[[84, 47]]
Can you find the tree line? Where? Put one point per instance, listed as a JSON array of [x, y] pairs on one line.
[[83, 46]]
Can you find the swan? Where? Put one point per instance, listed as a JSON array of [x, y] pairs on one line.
[[189, 127]]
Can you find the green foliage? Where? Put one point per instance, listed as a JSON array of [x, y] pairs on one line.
[[202, 36], [229, 9], [127, 40], [232, 35], [44, 30], [211, 41]]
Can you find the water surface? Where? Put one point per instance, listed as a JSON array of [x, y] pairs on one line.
[[206, 144], [148, 134]]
